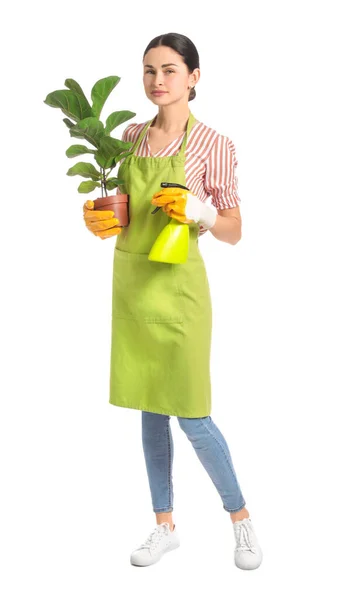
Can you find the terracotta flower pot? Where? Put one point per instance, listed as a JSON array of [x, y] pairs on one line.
[[119, 203]]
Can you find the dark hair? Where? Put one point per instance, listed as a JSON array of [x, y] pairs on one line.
[[184, 46]]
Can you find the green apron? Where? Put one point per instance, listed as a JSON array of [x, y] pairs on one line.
[[161, 312]]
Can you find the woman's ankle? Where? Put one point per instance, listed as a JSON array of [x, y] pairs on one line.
[[165, 518], [239, 515]]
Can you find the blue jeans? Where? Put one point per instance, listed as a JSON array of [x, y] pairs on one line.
[[211, 449]]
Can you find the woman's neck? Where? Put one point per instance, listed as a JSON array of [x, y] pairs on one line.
[[171, 119]]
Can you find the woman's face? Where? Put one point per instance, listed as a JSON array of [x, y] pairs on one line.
[[165, 70]]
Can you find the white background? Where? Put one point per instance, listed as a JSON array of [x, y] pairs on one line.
[[276, 78]]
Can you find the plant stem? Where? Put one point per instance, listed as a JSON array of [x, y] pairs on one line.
[[103, 182]]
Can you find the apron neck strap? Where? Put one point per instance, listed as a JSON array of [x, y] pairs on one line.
[[190, 124], [191, 121]]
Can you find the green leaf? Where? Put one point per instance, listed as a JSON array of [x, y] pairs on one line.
[[85, 170], [105, 163], [77, 149], [111, 183], [75, 87], [72, 104], [121, 184], [119, 157], [68, 123], [108, 150], [91, 129], [101, 91], [117, 118], [111, 146], [88, 186]]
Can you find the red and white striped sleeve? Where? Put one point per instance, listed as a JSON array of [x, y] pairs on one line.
[[221, 181]]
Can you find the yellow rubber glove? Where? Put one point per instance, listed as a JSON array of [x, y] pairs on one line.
[[173, 201], [100, 222], [184, 206]]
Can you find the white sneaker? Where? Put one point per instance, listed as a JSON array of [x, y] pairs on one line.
[[248, 554], [161, 540]]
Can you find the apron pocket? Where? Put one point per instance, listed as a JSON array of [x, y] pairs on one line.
[[145, 290]]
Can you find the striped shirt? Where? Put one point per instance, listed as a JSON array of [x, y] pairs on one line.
[[210, 163]]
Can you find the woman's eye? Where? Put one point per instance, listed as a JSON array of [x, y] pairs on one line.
[[168, 71]]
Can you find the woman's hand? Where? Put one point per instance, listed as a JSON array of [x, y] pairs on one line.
[[184, 206], [100, 222]]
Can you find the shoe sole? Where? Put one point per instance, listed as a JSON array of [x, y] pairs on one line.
[[173, 546]]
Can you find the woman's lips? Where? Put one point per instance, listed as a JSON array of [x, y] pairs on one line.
[[158, 93]]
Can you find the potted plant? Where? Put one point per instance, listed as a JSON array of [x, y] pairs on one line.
[[84, 122]]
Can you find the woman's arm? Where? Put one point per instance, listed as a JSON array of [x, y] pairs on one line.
[[221, 183], [228, 225]]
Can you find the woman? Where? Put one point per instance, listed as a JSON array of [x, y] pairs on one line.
[[161, 312]]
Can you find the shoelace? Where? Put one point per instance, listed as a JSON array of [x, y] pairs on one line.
[[153, 539], [244, 537]]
